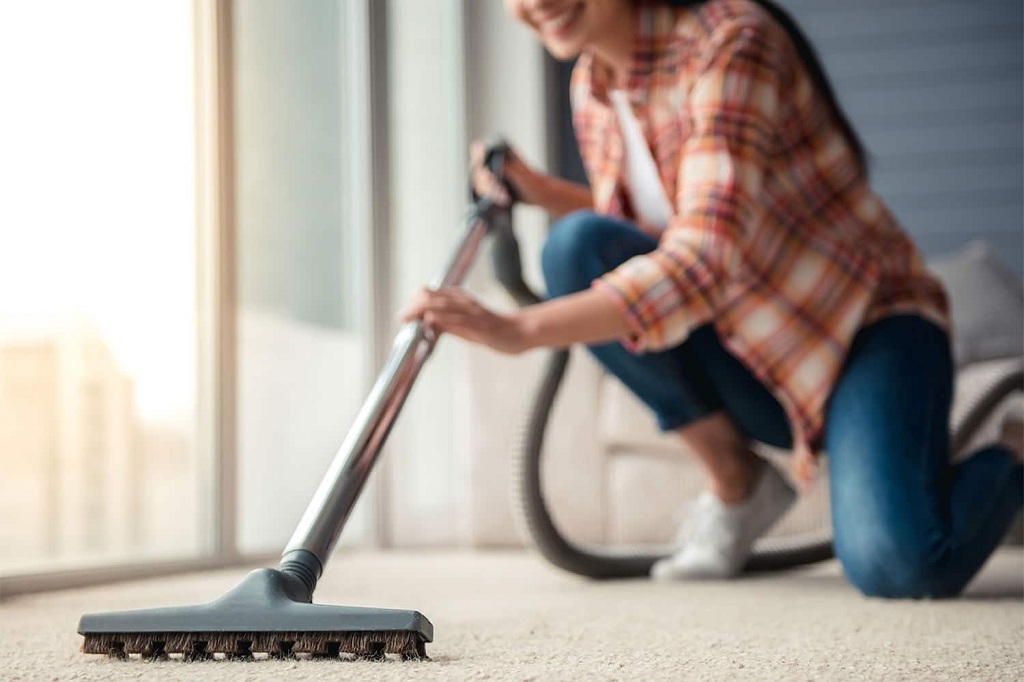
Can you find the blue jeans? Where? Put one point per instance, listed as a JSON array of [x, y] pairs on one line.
[[906, 523]]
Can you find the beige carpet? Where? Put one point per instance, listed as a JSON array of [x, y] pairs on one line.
[[509, 616]]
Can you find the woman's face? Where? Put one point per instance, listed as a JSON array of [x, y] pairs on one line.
[[566, 27]]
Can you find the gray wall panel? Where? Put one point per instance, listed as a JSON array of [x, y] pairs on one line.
[[935, 89], [967, 136]]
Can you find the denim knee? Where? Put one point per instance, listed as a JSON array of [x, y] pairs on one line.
[[569, 252], [878, 564]]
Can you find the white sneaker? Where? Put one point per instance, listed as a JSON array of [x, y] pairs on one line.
[[717, 538]]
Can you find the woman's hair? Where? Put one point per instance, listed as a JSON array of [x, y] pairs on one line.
[[814, 68]]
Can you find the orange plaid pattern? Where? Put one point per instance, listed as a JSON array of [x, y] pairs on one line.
[[777, 237]]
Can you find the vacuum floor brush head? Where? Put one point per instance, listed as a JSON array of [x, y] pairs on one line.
[[264, 614]]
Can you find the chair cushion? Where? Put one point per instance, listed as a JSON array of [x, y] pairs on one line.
[[986, 301], [625, 422]]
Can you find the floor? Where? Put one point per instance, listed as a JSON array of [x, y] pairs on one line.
[[509, 616]]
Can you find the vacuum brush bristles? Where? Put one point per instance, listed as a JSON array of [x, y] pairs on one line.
[[263, 614]]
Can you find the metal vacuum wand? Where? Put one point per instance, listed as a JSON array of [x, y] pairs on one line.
[[325, 517]]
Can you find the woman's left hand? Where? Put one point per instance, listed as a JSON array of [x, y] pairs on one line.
[[453, 311]]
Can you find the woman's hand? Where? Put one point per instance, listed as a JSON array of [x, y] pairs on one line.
[[588, 317], [528, 184], [554, 195], [453, 311]]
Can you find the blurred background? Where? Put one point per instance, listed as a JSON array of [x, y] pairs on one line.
[[210, 211]]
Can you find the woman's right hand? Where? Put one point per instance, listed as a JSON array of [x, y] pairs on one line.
[[526, 182]]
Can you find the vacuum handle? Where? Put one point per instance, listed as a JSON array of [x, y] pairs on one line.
[[495, 159]]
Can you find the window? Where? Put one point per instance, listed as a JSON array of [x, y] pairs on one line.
[[98, 301]]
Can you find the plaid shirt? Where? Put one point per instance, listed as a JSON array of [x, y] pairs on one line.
[[776, 235]]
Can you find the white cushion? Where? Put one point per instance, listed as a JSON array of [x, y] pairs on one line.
[[986, 301], [646, 494], [625, 422]]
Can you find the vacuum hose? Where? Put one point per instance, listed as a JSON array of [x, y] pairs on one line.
[[533, 512]]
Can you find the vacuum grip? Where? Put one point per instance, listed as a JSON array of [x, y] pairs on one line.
[[495, 159]]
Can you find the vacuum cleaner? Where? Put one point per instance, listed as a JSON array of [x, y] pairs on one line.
[[271, 610]]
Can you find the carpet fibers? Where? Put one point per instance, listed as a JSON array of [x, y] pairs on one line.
[[508, 616]]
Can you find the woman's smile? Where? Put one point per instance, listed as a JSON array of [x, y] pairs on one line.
[[561, 24], [567, 27]]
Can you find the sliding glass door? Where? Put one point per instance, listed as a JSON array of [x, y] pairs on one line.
[[98, 295], [191, 231]]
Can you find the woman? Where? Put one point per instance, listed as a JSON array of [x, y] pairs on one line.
[[731, 265]]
